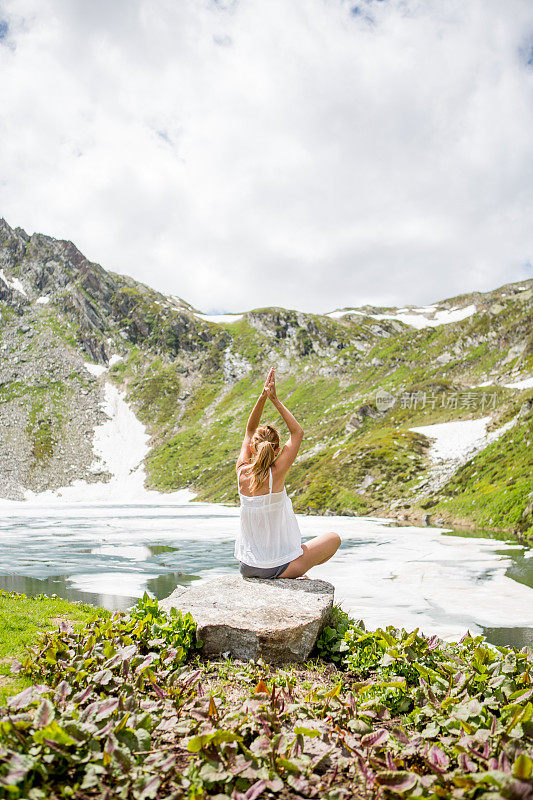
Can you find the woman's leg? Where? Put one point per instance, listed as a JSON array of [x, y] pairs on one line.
[[315, 552]]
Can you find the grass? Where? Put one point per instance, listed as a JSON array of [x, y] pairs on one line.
[[494, 488], [45, 404], [390, 459], [247, 341], [22, 618], [155, 394], [351, 462], [45, 419]]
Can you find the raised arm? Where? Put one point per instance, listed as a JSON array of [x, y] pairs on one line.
[[252, 424], [290, 450]]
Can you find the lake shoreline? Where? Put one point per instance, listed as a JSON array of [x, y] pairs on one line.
[[73, 495], [109, 554], [419, 517]]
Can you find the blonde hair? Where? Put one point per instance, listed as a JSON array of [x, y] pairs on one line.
[[265, 444]]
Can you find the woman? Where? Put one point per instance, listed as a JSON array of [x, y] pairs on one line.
[[269, 544]]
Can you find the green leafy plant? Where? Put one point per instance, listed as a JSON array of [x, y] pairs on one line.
[[116, 711], [330, 644], [98, 694]]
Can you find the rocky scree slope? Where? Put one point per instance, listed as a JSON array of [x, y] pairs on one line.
[[360, 379]]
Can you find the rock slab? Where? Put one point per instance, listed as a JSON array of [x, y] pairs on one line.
[[276, 620]]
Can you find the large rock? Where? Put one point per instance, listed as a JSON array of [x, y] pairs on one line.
[[277, 620]]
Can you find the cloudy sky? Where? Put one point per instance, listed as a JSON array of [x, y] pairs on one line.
[[244, 153]]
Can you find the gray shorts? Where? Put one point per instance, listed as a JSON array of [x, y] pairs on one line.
[[260, 572]]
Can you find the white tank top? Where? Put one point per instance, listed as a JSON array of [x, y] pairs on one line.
[[269, 535]]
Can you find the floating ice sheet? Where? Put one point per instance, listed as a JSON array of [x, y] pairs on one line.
[[404, 576]]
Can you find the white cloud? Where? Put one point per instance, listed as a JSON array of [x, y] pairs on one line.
[[254, 153]]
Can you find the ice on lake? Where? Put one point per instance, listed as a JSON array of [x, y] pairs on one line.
[[405, 576]]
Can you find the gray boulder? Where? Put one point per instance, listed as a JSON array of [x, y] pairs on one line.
[[277, 620]]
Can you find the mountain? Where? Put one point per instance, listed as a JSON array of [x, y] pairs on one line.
[[415, 413]]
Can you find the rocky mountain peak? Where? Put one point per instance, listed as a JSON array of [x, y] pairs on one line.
[[192, 378]]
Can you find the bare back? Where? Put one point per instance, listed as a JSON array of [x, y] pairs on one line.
[[245, 477]]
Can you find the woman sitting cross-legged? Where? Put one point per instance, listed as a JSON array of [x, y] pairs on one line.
[[269, 544]]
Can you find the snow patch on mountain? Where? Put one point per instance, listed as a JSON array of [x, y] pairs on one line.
[[452, 440], [418, 317], [99, 369], [526, 383], [424, 317], [454, 443], [219, 318], [94, 369], [120, 445], [14, 283]]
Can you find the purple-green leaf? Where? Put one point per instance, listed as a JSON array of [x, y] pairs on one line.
[[466, 763], [18, 767], [103, 677], [400, 734], [255, 790], [21, 700], [81, 697], [45, 714], [104, 709], [148, 788], [399, 781], [127, 652], [62, 692], [375, 738], [438, 759]]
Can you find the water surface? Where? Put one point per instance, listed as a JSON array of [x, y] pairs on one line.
[[108, 555]]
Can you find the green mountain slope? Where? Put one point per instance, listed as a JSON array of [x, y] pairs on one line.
[[192, 382]]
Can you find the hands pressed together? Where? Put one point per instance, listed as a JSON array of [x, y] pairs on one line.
[[269, 389], [295, 429]]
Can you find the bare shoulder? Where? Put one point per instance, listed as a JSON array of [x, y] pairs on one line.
[[288, 454], [279, 466], [279, 471]]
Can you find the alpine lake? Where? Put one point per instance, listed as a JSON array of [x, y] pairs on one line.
[[442, 582]]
